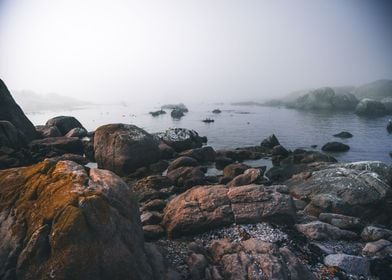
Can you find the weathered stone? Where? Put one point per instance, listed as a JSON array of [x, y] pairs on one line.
[[322, 231], [123, 148], [347, 189], [207, 207], [55, 146], [351, 264], [255, 259], [150, 218], [186, 177], [250, 176], [372, 233], [380, 248], [204, 154], [340, 221], [10, 136], [181, 139], [181, 162], [57, 219], [270, 142], [153, 232]]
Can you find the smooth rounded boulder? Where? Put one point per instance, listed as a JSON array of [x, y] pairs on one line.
[[123, 148], [64, 123], [335, 147], [59, 221]]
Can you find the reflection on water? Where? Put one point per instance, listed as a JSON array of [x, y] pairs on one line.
[[240, 126]]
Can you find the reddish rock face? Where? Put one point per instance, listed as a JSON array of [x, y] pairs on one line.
[[57, 220], [207, 207]]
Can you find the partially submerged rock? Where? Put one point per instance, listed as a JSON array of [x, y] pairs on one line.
[[335, 147], [181, 139], [343, 134], [370, 107]]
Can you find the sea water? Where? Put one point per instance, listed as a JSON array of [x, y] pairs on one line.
[[240, 126]]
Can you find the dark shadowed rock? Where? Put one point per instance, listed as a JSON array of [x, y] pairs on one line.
[[77, 132], [370, 107], [10, 136], [235, 169], [166, 151], [182, 161], [10, 111], [123, 148], [203, 154], [216, 111], [55, 146], [343, 134], [157, 113], [44, 131], [341, 221], [221, 162], [79, 159], [186, 177], [335, 147], [64, 123], [270, 142], [177, 114], [69, 224], [181, 139]]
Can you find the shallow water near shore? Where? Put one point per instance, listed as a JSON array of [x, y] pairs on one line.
[[239, 126]]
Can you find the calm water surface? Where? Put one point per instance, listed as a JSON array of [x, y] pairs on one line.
[[239, 126]]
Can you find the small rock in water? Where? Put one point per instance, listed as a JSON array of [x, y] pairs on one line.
[[335, 147], [217, 111], [343, 134]]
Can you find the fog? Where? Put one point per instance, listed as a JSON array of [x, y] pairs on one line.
[[169, 51]]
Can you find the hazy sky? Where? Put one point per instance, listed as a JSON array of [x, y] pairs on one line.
[[201, 49]]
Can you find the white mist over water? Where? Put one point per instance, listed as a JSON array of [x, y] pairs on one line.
[[175, 50]]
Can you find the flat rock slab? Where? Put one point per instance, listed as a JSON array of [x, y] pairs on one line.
[[207, 207], [351, 264]]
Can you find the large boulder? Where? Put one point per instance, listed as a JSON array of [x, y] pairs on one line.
[[123, 148], [326, 99], [250, 259], [64, 123], [59, 221], [55, 146], [358, 189], [10, 111], [370, 107], [181, 139], [48, 131], [207, 207]]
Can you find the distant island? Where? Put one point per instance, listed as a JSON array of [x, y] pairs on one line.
[[33, 102], [371, 99]]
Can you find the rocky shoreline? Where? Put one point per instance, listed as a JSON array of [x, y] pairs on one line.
[[152, 209]]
